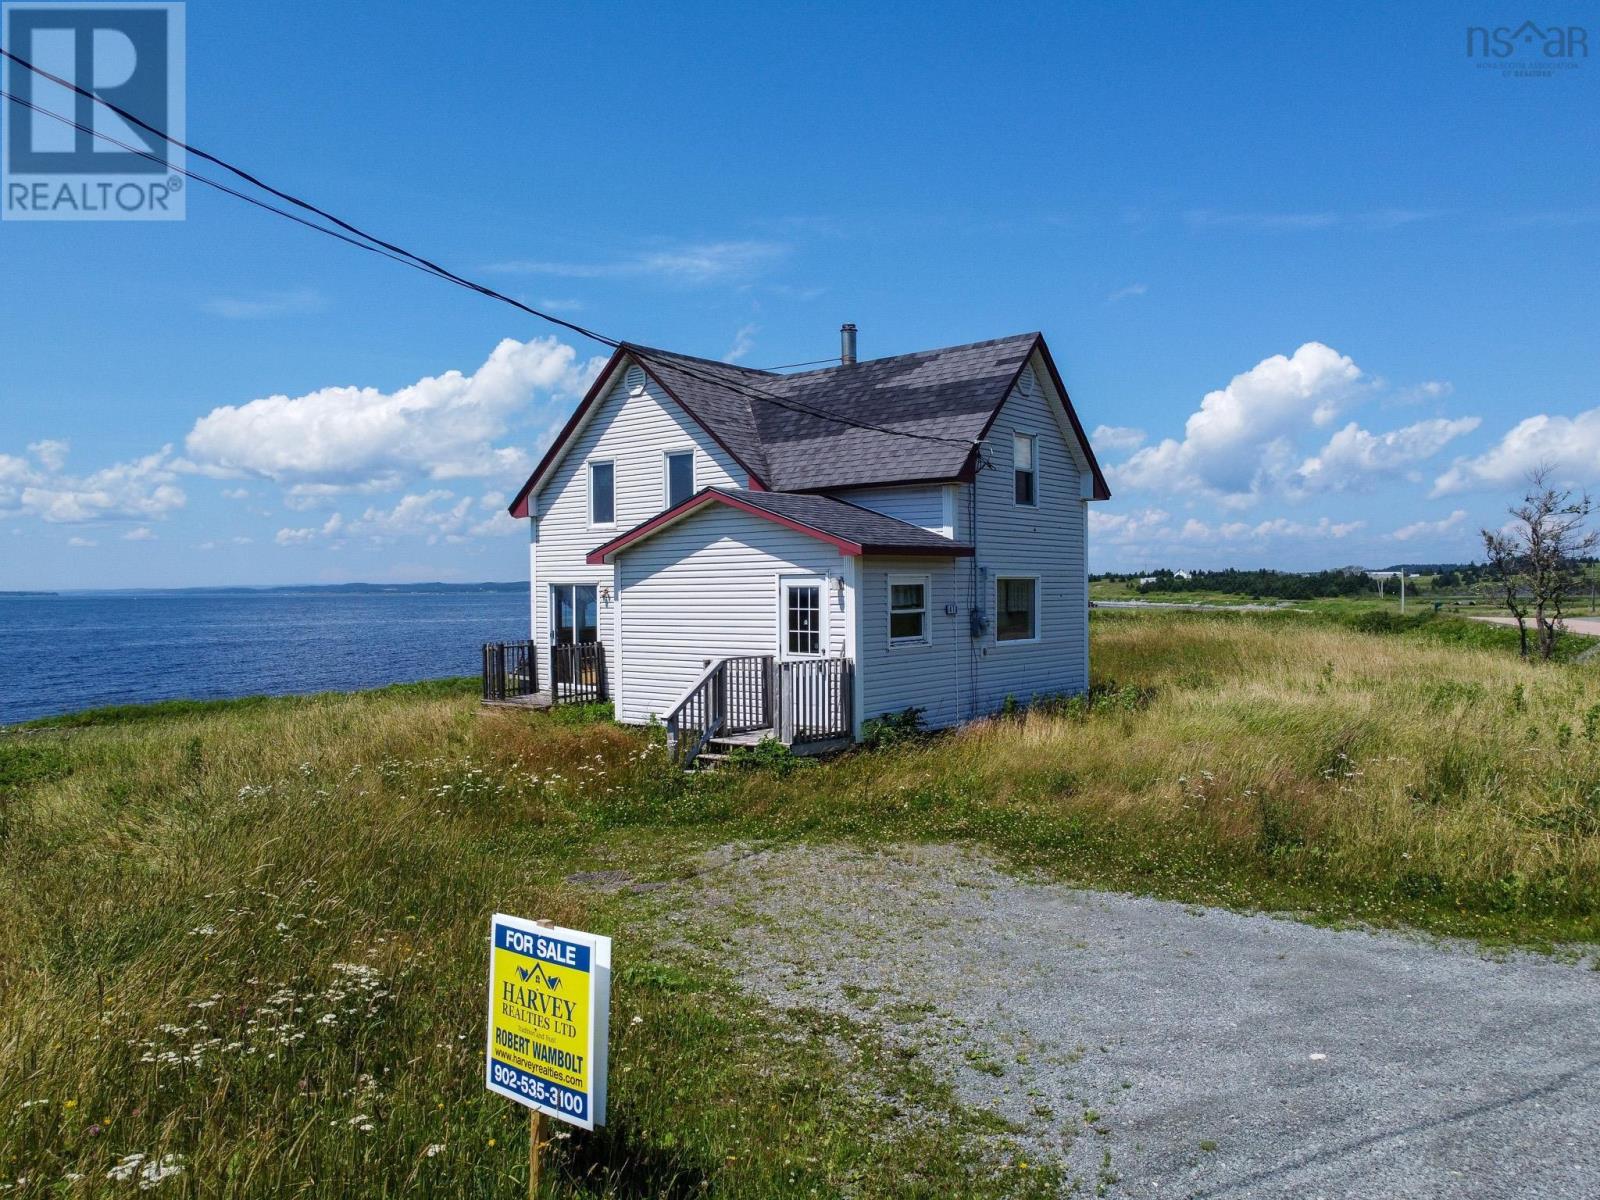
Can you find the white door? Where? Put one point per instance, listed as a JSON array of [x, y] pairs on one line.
[[802, 617]]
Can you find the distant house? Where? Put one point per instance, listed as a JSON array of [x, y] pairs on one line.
[[742, 554]]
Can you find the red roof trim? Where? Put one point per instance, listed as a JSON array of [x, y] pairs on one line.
[[600, 555], [1101, 490], [519, 506], [644, 361]]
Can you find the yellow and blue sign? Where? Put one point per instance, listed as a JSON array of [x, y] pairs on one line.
[[549, 1018]]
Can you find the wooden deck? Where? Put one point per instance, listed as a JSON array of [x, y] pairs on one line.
[[533, 700]]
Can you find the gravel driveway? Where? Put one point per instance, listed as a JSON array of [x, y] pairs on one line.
[[1155, 1049]]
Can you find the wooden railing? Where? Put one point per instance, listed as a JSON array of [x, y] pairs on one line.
[[812, 701], [802, 701], [578, 673], [510, 670]]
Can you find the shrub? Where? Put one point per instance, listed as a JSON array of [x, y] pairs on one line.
[[891, 729], [769, 754]]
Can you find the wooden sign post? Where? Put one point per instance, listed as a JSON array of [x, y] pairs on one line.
[[549, 1024], [536, 1136]]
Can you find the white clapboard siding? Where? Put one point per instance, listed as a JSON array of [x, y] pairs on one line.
[[1049, 541], [922, 505], [933, 677], [707, 588], [634, 425]]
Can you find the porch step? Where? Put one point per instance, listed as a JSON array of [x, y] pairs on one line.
[[753, 738]]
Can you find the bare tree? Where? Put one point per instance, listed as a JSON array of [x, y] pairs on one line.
[[1537, 557]]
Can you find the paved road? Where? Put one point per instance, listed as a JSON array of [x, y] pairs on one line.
[[1589, 626], [1218, 1055]]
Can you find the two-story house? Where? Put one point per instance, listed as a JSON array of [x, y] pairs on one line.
[[741, 553]]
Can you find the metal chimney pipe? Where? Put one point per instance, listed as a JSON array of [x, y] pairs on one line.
[[847, 345]]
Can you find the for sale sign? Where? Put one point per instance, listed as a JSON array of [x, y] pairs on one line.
[[549, 1012]]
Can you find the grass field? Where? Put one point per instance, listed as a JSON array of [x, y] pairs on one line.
[[246, 941]]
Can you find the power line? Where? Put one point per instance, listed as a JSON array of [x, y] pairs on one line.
[[390, 250], [812, 363], [221, 187]]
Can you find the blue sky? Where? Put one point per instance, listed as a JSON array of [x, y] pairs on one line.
[[1326, 288]]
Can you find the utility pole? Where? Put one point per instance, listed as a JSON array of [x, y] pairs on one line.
[[1402, 591]]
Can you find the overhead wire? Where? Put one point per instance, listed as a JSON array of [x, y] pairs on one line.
[[356, 236]]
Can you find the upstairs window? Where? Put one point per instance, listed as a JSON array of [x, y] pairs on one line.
[[908, 611], [680, 476], [1016, 609], [1024, 459], [603, 493]]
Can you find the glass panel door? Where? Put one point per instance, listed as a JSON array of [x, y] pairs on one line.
[[574, 613], [802, 634]]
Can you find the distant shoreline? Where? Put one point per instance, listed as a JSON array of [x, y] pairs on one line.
[[289, 589]]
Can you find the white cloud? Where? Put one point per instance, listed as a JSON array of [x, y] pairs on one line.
[[142, 487], [431, 515], [1274, 528], [1127, 293], [81, 543], [236, 493], [1299, 222], [295, 537], [1240, 438], [743, 342], [269, 304], [141, 534], [1125, 528], [1418, 529], [1117, 438], [441, 427], [435, 516], [1353, 456], [52, 452], [696, 262], [1570, 446], [499, 522], [1428, 389]]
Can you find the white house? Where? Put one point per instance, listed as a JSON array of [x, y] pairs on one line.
[[739, 553]]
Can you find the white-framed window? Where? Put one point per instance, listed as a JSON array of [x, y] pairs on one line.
[[602, 492], [1016, 608], [802, 617], [677, 472], [908, 610], [1025, 469]]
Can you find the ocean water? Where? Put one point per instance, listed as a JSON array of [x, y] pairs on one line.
[[62, 653]]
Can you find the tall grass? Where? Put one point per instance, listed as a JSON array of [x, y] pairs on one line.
[[246, 941]]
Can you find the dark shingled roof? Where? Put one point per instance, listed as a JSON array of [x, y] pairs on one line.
[[844, 426], [853, 529], [948, 396]]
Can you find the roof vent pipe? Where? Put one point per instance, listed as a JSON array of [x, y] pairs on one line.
[[847, 345]]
